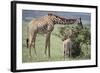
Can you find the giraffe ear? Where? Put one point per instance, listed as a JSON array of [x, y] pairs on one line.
[[80, 18], [49, 14]]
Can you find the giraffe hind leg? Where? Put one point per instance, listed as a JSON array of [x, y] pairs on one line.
[[30, 44], [33, 40], [64, 54], [30, 51], [27, 40]]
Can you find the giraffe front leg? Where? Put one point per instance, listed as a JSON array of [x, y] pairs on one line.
[[45, 47], [49, 48], [47, 43]]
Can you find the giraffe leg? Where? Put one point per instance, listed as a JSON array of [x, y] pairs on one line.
[[49, 47], [33, 40], [45, 47], [30, 44], [70, 52], [27, 40], [64, 54], [48, 43]]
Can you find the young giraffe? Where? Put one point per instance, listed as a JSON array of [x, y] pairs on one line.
[[45, 25]]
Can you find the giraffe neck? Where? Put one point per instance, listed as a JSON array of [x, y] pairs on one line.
[[70, 21], [66, 21], [60, 20]]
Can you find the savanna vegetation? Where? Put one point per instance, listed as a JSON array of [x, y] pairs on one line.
[[59, 32]]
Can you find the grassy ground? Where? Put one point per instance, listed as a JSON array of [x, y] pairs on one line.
[[56, 48]]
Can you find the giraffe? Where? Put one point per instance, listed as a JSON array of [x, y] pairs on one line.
[[45, 25], [68, 42]]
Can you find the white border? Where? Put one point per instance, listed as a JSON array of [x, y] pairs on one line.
[[21, 65]]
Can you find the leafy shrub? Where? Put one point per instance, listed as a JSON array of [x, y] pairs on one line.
[[82, 38]]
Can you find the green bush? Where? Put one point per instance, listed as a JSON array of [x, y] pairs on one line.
[[82, 38]]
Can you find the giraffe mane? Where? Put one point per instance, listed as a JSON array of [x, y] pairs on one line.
[[50, 14]]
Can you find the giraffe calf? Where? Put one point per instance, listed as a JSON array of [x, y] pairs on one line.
[[68, 44]]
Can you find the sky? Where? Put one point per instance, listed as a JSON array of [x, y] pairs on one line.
[[28, 15]]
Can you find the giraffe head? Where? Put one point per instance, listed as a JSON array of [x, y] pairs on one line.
[[56, 19], [79, 22]]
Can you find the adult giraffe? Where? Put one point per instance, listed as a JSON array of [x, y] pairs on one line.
[[45, 25]]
